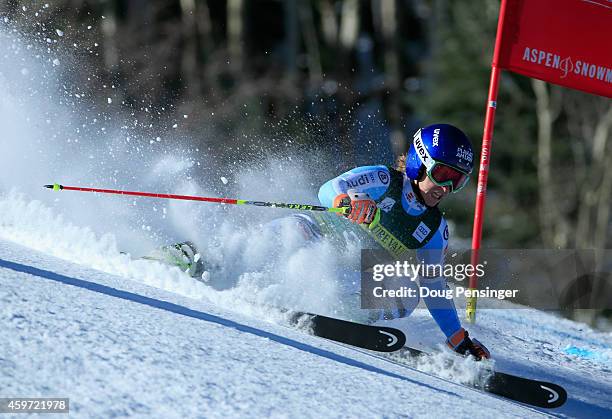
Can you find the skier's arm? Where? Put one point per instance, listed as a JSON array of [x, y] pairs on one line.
[[373, 180], [442, 309]]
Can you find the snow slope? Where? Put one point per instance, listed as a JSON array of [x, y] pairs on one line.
[[116, 348], [123, 337]]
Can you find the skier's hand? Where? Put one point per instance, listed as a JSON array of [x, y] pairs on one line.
[[362, 207], [461, 343]]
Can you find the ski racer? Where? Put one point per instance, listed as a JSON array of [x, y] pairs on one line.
[[402, 206], [397, 210]]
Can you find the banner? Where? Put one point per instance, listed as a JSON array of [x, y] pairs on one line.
[[565, 42]]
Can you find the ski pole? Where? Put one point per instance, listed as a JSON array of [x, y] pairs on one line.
[[300, 207]]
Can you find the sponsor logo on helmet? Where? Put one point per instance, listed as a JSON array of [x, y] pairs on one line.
[[436, 137], [383, 176], [464, 154], [420, 148]]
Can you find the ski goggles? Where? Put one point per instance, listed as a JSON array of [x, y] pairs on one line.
[[444, 175]]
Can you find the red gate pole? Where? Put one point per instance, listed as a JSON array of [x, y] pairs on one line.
[[485, 157]]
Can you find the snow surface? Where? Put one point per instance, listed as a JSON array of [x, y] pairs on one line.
[[131, 337], [116, 348], [81, 318]]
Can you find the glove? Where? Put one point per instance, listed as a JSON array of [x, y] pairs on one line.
[[461, 343], [362, 207]]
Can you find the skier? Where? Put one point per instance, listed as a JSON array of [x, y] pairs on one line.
[[399, 207], [403, 204]]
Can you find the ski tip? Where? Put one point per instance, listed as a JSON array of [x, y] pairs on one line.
[[55, 187]]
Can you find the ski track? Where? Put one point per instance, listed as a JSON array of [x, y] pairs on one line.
[[122, 348], [149, 352], [131, 337], [128, 337]]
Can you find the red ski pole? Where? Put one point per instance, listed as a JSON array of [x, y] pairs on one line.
[[299, 207]]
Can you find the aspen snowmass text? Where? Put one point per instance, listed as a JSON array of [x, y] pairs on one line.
[[566, 65]]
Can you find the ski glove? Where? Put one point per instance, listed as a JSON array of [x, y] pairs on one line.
[[461, 343], [362, 207]]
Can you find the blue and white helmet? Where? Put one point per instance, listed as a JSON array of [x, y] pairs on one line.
[[439, 143]]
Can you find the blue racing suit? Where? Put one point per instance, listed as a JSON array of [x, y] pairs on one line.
[[430, 246]]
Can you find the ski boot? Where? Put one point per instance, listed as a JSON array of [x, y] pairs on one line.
[[183, 255]]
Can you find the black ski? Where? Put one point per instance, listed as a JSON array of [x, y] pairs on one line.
[[520, 389], [387, 339], [374, 338], [526, 390]]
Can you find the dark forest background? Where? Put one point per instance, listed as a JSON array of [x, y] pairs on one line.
[[355, 78]]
